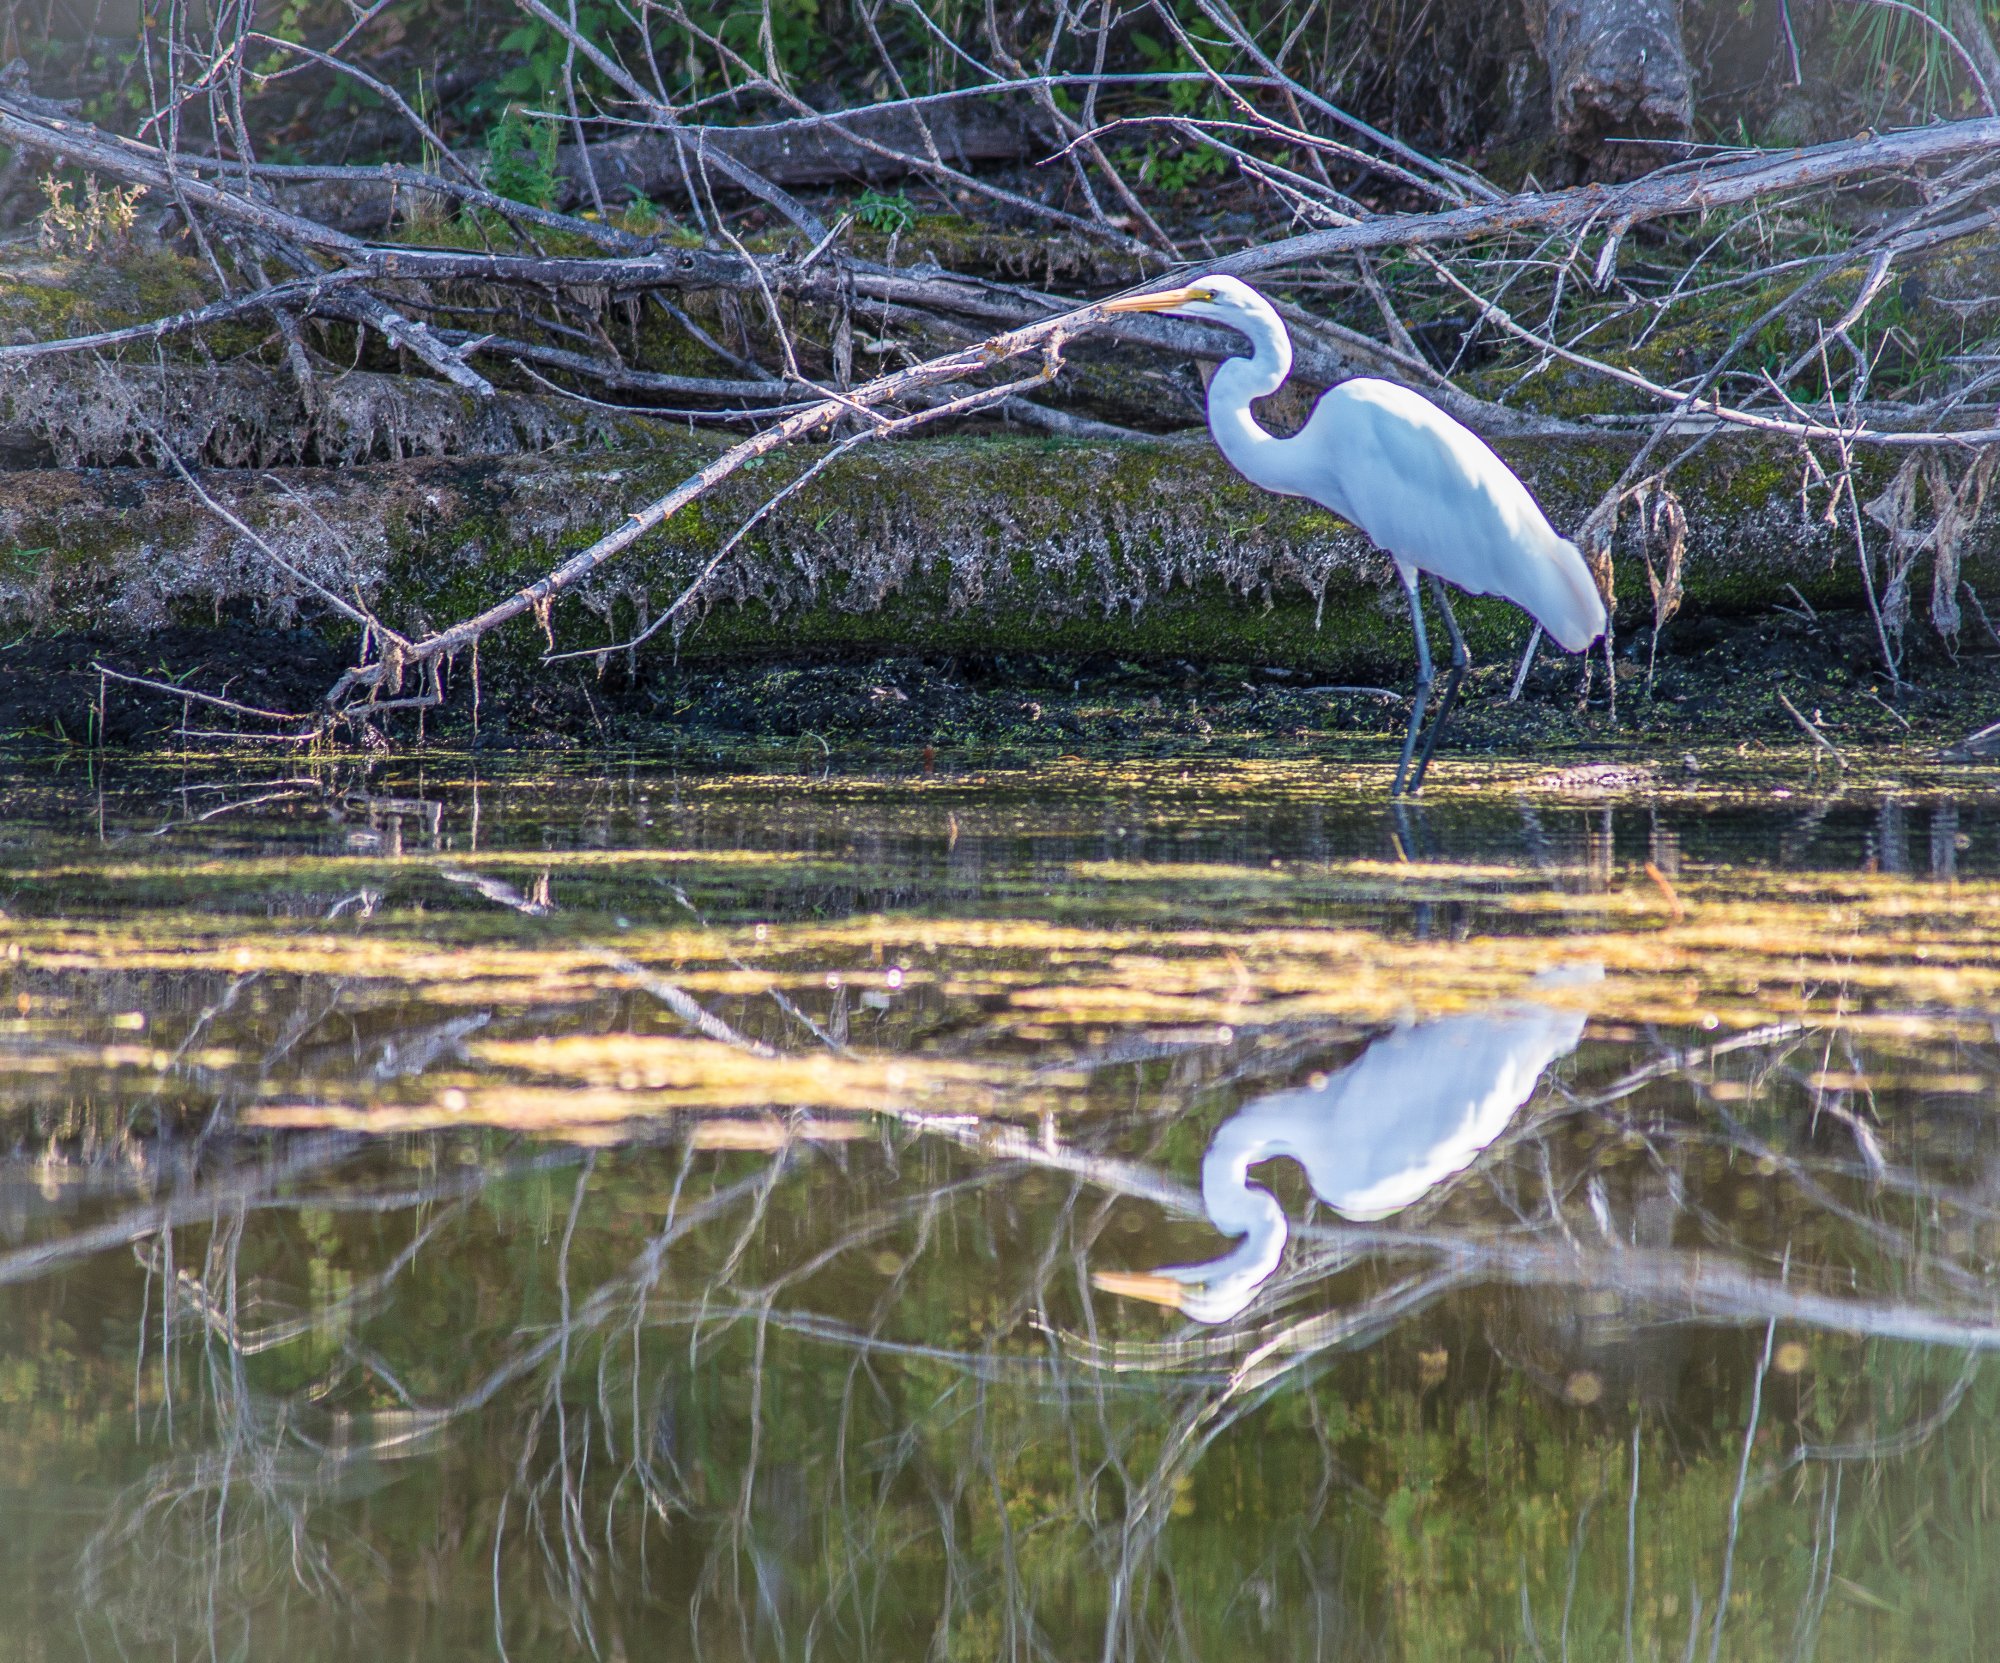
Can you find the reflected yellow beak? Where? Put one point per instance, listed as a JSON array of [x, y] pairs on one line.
[[1161, 300], [1155, 1290]]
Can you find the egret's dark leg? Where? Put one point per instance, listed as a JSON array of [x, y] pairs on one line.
[[1460, 658], [1409, 831], [1425, 676]]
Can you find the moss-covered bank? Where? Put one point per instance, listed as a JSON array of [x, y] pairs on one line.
[[984, 543], [972, 589]]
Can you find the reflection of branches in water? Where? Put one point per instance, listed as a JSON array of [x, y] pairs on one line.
[[1651, 1284], [208, 1537], [660, 1403], [986, 1464], [1742, 1483], [570, 1558], [990, 1576], [191, 1293], [1279, 1360], [253, 1188]]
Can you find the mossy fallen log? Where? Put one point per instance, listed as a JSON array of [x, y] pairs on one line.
[[1151, 549], [84, 412]]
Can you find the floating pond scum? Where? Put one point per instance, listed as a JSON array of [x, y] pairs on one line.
[[640, 1210]]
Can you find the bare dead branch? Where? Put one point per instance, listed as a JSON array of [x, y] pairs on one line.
[[171, 690], [1690, 188], [277, 298], [358, 306], [89, 146], [1046, 337]]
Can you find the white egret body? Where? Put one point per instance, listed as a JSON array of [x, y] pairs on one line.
[[1416, 1107], [1425, 488]]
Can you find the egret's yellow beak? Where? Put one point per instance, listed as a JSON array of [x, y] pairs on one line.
[[1161, 300], [1155, 1290]]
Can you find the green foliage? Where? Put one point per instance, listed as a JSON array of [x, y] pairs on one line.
[[888, 214], [1171, 167], [1906, 347], [1171, 163], [290, 20], [796, 37], [1772, 349], [795, 43], [348, 93], [521, 158], [642, 217], [539, 53], [1183, 97], [1907, 62]]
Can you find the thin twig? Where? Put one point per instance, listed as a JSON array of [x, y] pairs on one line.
[[216, 700], [1811, 731]]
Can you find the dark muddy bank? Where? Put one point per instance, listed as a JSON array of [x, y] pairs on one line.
[[1718, 683]]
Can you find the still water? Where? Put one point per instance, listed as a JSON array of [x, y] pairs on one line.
[[1079, 1209]]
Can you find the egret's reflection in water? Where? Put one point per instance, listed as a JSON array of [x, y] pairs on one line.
[[651, 1214], [1417, 1106]]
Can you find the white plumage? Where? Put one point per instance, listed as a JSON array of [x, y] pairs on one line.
[[1427, 489], [1416, 1107], [1431, 494]]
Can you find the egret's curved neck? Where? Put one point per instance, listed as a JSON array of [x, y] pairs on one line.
[[1255, 453], [1217, 1289], [1235, 1206]]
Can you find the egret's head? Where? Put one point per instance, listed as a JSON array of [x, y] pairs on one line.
[[1216, 299]]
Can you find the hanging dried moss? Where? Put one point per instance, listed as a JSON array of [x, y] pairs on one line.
[[75, 413]]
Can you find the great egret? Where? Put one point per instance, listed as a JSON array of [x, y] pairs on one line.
[[1417, 1106], [1426, 488]]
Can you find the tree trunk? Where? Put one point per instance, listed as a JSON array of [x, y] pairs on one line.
[[1968, 23], [1617, 68]]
